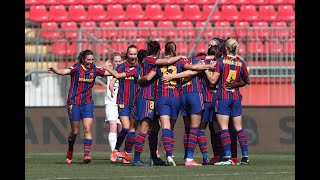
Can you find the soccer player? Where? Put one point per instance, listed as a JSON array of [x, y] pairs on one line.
[[228, 101], [80, 102], [127, 73], [111, 107]]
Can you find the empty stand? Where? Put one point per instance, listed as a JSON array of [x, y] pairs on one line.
[[277, 2], [173, 12], [258, 2], [289, 47], [290, 2], [69, 2], [183, 2], [206, 12], [88, 2], [64, 48], [31, 2], [255, 47], [135, 12], [248, 13], [154, 12], [224, 29], [192, 12], [267, 13], [70, 28], [88, 24], [278, 29], [286, 13], [130, 29], [50, 30], [240, 2], [109, 30], [58, 13], [39, 13], [97, 12], [116, 12], [78, 13], [208, 32], [147, 1], [108, 1], [49, 2], [241, 28], [147, 29], [185, 29], [168, 32], [229, 13], [260, 30], [182, 48], [202, 2]]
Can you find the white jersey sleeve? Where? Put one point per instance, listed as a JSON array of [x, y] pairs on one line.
[[108, 99]]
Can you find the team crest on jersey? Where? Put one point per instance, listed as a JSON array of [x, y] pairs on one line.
[[130, 69]]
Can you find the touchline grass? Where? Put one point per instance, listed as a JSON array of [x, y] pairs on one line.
[[52, 166]]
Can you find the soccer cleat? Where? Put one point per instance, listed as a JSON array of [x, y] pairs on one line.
[[69, 157], [87, 159], [139, 163], [124, 161], [234, 160], [206, 161], [214, 160], [170, 161], [225, 162], [192, 163], [124, 155], [244, 161], [114, 155], [157, 162]]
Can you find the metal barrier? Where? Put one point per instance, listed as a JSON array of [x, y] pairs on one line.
[[268, 52]]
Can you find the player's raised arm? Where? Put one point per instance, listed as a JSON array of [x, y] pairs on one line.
[[168, 61], [112, 71], [59, 71], [187, 73]]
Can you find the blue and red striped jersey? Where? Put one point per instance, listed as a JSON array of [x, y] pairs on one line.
[[194, 83], [147, 91], [209, 90], [230, 68], [128, 86], [172, 88], [82, 81]]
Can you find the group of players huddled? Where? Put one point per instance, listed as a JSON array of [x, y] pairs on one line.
[[152, 92]]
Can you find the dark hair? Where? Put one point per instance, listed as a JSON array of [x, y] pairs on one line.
[[83, 54], [131, 46], [153, 47], [221, 45], [142, 53], [201, 54], [170, 49], [215, 50]]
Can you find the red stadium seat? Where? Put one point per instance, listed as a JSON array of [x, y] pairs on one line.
[[110, 33], [201, 47], [173, 12], [119, 45], [291, 2], [256, 47], [223, 29], [39, 13], [50, 30], [185, 29], [192, 12], [267, 13], [293, 31], [154, 12], [78, 13], [116, 12], [224, 2], [97, 13], [147, 29], [88, 2], [289, 47], [135, 12], [241, 28], [277, 31], [140, 43], [242, 48], [58, 13], [49, 2], [130, 30], [32, 2], [286, 13], [206, 12], [108, 1], [166, 33], [102, 49], [258, 2], [64, 48], [229, 13], [208, 33], [182, 48], [71, 29], [183, 2], [148, 2], [240, 2], [164, 1], [248, 13], [274, 47], [88, 24], [69, 2], [260, 30], [277, 2], [126, 2], [203, 2]]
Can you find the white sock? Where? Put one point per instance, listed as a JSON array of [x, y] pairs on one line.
[[112, 140]]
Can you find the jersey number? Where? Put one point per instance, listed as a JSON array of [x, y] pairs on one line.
[[232, 75], [170, 70]]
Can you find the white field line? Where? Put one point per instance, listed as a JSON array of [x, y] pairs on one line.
[[160, 176]]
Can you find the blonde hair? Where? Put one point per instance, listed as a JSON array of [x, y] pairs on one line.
[[232, 45]]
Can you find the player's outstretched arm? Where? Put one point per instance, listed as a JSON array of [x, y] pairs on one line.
[[59, 71], [144, 79], [212, 76], [187, 73], [112, 71], [169, 61]]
